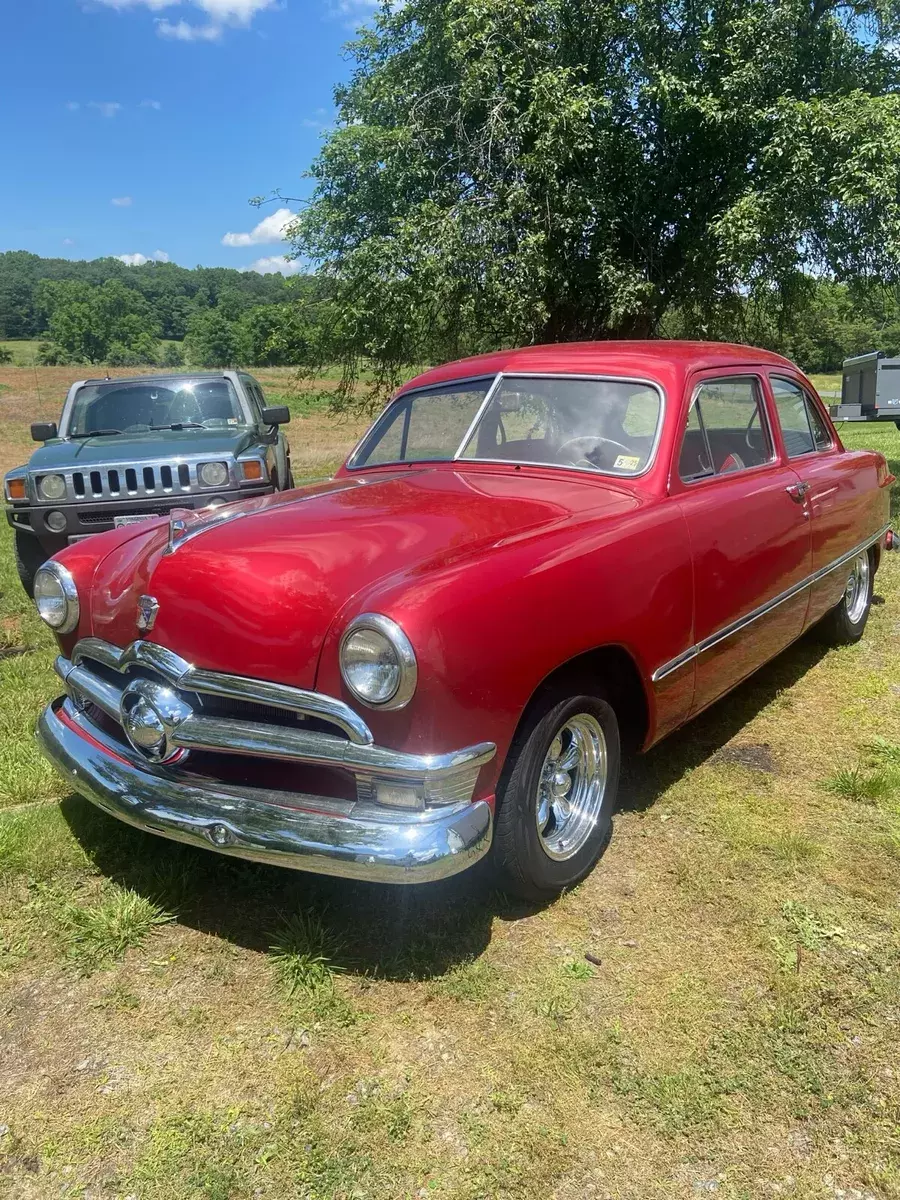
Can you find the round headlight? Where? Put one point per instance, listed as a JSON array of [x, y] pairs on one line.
[[52, 487], [378, 662], [56, 597], [55, 521], [213, 474]]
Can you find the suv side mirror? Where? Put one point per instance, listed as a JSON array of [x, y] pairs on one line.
[[43, 431], [280, 414]]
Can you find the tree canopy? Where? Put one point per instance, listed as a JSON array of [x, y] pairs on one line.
[[523, 170]]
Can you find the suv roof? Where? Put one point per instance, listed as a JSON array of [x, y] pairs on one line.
[[161, 375]]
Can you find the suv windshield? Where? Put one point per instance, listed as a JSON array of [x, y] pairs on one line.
[[120, 406], [601, 425]]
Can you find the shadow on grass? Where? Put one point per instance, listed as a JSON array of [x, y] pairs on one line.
[[415, 932], [649, 775], [395, 932]]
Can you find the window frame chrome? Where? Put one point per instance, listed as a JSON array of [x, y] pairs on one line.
[[809, 399], [496, 383], [765, 416]]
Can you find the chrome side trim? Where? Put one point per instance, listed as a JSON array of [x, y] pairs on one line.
[[742, 622], [308, 833], [181, 674]]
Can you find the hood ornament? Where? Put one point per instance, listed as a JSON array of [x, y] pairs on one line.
[[148, 607], [177, 530]]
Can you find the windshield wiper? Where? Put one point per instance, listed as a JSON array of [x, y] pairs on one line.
[[180, 425], [94, 433]]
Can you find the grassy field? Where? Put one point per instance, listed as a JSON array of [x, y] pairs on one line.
[[178, 1025]]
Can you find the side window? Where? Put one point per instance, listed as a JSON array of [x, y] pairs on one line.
[[801, 422], [247, 385], [726, 429]]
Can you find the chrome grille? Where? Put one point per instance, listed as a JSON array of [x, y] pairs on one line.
[[121, 482], [236, 715]]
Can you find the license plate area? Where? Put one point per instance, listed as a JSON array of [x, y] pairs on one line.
[[132, 519]]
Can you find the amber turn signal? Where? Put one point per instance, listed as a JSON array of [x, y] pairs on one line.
[[15, 489], [252, 469]]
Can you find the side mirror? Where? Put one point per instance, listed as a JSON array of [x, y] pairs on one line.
[[43, 431], [280, 414]]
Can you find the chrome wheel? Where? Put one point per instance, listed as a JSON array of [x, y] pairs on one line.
[[856, 593], [572, 786]]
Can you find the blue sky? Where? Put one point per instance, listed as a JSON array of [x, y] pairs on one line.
[[141, 127]]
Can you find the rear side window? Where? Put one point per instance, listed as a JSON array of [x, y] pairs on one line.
[[801, 422], [726, 429]]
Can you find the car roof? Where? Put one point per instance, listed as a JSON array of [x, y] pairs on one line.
[[661, 360]]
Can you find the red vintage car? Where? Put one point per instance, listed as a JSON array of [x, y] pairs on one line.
[[532, 560]]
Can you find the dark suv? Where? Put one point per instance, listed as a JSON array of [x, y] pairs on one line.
[[127, 449]]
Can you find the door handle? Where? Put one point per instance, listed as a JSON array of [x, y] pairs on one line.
[[798, 491]]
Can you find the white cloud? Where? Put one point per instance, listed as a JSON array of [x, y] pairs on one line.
[[270, 229], [121, 201], [275, 264], [182, 32], [68, 241], [73, 106], [218, 14], [106, 108], [353, 12], [138, 260], [154, 104], [321, 120]]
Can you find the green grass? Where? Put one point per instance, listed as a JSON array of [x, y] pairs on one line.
[[23, 351], [175, 1024]]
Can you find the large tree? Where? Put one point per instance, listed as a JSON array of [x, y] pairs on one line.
[[515, 170]]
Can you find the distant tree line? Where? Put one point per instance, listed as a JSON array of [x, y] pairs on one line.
[[105, 312]]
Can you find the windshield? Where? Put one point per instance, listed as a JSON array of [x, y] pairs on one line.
[[121, 406], [603, 425]]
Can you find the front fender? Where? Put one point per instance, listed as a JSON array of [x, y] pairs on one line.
[[488, 629]]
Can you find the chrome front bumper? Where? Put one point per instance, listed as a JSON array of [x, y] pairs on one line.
[[355, 840]]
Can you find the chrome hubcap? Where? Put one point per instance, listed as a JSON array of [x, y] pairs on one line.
[[856, 593], [572, 787]]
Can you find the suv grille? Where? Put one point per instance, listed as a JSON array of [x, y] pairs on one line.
[[155, 480], [92, 517]]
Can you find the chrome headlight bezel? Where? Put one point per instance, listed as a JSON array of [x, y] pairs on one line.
[[400, 646], [203, 467], [69, 592], [42, 487]]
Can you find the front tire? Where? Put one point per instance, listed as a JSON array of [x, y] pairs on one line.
[[29, 555], [555, 809], [846, 622]]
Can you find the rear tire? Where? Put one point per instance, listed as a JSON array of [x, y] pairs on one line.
[[29, 555], [846, 622], [555, 808]]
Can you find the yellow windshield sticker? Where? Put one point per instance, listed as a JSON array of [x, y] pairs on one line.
[[626, 462]]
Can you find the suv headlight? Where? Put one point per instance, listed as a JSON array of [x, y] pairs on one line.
[[52, 487], [378, 663], [56, 597], [213, 474]]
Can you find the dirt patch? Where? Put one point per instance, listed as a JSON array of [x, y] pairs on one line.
[[756, 756]]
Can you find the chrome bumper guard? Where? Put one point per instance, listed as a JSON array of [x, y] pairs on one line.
[[330, 837], [412, 819]]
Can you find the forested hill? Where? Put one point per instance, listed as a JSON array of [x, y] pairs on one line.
[[172, 293]]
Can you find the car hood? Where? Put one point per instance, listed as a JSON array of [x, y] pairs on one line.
[[254, 588], [141, 447]]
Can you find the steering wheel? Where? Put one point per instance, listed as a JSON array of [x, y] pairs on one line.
[[593, 439]]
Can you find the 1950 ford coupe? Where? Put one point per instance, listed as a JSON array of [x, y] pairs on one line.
[[533, 559]]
